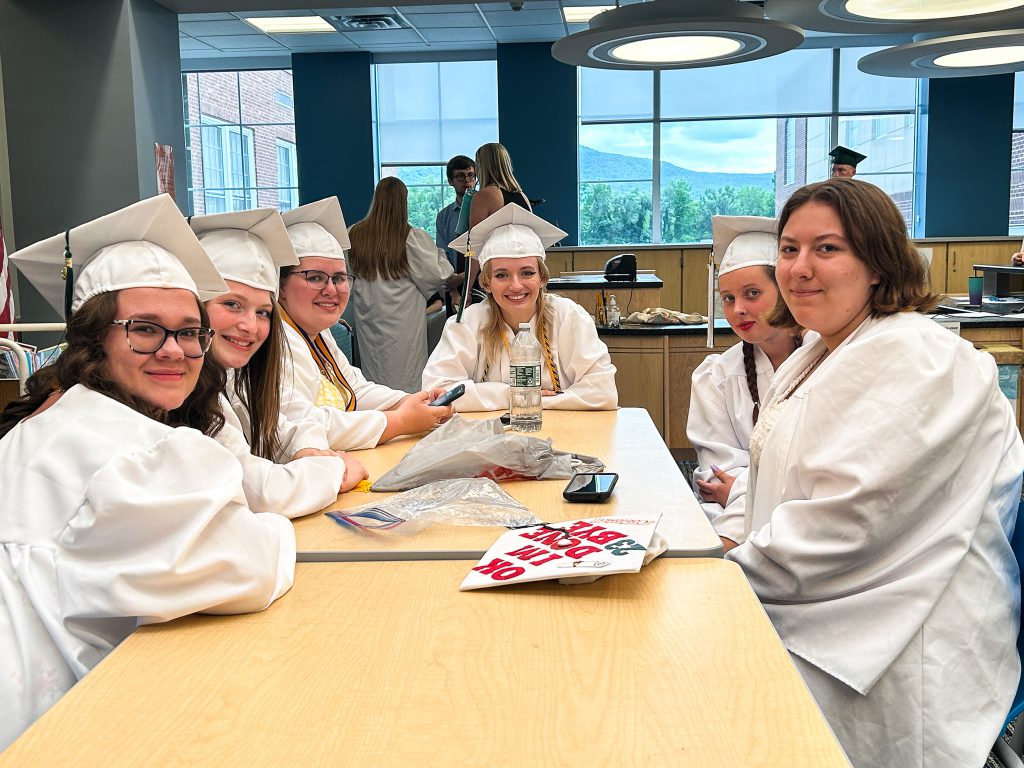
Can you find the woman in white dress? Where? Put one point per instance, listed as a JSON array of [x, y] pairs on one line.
[[399, 268], [287, 466], [320, 383], [119, 509], [885, 476], [576, 372], [726, 389]]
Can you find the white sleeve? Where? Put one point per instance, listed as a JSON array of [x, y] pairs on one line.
[[709, 428], [165, 532], [584, 364], [297, 435], [293, 488], [428, 266], [455, 360]]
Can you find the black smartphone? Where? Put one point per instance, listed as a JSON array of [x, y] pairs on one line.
[[590, 486], [450, 396]]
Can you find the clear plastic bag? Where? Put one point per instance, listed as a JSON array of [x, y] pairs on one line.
[[475, 448], [468, 501]]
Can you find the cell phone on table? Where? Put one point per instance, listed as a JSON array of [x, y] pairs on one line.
[[590, 486], [450, 396]]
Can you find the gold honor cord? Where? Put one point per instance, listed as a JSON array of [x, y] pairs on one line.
[[325, 361]]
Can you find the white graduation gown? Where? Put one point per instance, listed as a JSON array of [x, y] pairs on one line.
[[391, 318], [111, 520], [346, 430], [719, 426], [292, 488], [585, 369], [880, 510]]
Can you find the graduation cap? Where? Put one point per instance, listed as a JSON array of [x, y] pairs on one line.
[[844, 156], [318, 229], [738, 242], [511, 232], [248, 247], [146, 245]]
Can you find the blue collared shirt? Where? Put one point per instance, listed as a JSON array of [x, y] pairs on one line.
[[447, 220]]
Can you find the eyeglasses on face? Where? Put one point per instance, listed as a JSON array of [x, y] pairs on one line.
[[146, 337], [464, 176], [318, 279]]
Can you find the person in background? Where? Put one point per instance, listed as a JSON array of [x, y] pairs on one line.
[[399, 268], [498, 185], [321, 383], [120, 510], [286, 466], [844, 162], [577, 371], [461, 177], [727, 389], [885, 477]]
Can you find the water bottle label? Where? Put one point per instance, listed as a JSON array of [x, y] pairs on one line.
[[525, 375]]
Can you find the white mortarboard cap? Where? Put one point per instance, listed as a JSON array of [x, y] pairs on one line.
[[248, 247], [511, 232], [318, 229], [738, 241], [744, 241], [146, 245]]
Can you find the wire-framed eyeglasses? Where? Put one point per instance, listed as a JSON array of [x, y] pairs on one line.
[[317, 279], [146, 337], [464, 177]]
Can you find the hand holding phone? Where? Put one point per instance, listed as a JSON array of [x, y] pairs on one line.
[[590, 486], [450, 396]]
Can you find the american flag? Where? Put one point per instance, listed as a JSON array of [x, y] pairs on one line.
[[6, 290]]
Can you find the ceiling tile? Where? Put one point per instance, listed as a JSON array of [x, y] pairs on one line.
[[453, 8], [243, 43], [440, 20], [370, 37], [523, 18], [191, 44], [207, 28], [367, 11], [455, 35], [542, 32], [312, 39], [532, 5]]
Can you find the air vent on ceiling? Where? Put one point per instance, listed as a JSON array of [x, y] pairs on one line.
[[366, 23]]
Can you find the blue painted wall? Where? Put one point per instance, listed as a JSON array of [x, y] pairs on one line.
[[967, 123], [334, 129], [537, 125]]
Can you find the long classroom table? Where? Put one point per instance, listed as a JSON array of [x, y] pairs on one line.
[[625, 440], [388, 664]]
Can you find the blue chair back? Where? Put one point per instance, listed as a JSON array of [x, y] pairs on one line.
[[1017, 543]]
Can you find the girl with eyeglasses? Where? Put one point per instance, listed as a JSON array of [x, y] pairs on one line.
[[287, 466], [399, 268], [320, 383], [119, 509]]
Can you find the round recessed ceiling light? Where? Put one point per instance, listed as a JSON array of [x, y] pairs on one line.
[[923, 10], [675, 49], [896, 16], [985, 57], [984, 53], [677, 34]]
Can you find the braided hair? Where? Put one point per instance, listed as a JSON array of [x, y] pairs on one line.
[[750, 368]]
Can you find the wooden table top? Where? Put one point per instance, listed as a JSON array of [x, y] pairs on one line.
[[388, 664], [625, 440]]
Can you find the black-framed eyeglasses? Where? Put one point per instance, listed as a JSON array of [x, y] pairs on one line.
[[464, 176], [146, 337], [318, 279]]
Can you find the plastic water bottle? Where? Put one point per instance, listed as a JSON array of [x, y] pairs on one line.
[[524, 380], [614, 316]]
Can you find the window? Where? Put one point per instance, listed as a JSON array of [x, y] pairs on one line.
[[660, 153], [240, 140], [425, 114], [287, 173]]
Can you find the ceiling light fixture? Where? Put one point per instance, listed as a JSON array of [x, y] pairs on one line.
[[982, 53], [895, 16], [290, 25], [677, 34], [581, 14]]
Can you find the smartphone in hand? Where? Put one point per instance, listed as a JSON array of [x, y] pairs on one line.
[[450, 396], [590, 486]]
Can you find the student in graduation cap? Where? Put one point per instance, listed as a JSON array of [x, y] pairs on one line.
[[844, 162], [726, 390], [320, 383], [577, 372], [119, 510], [287, 467]]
